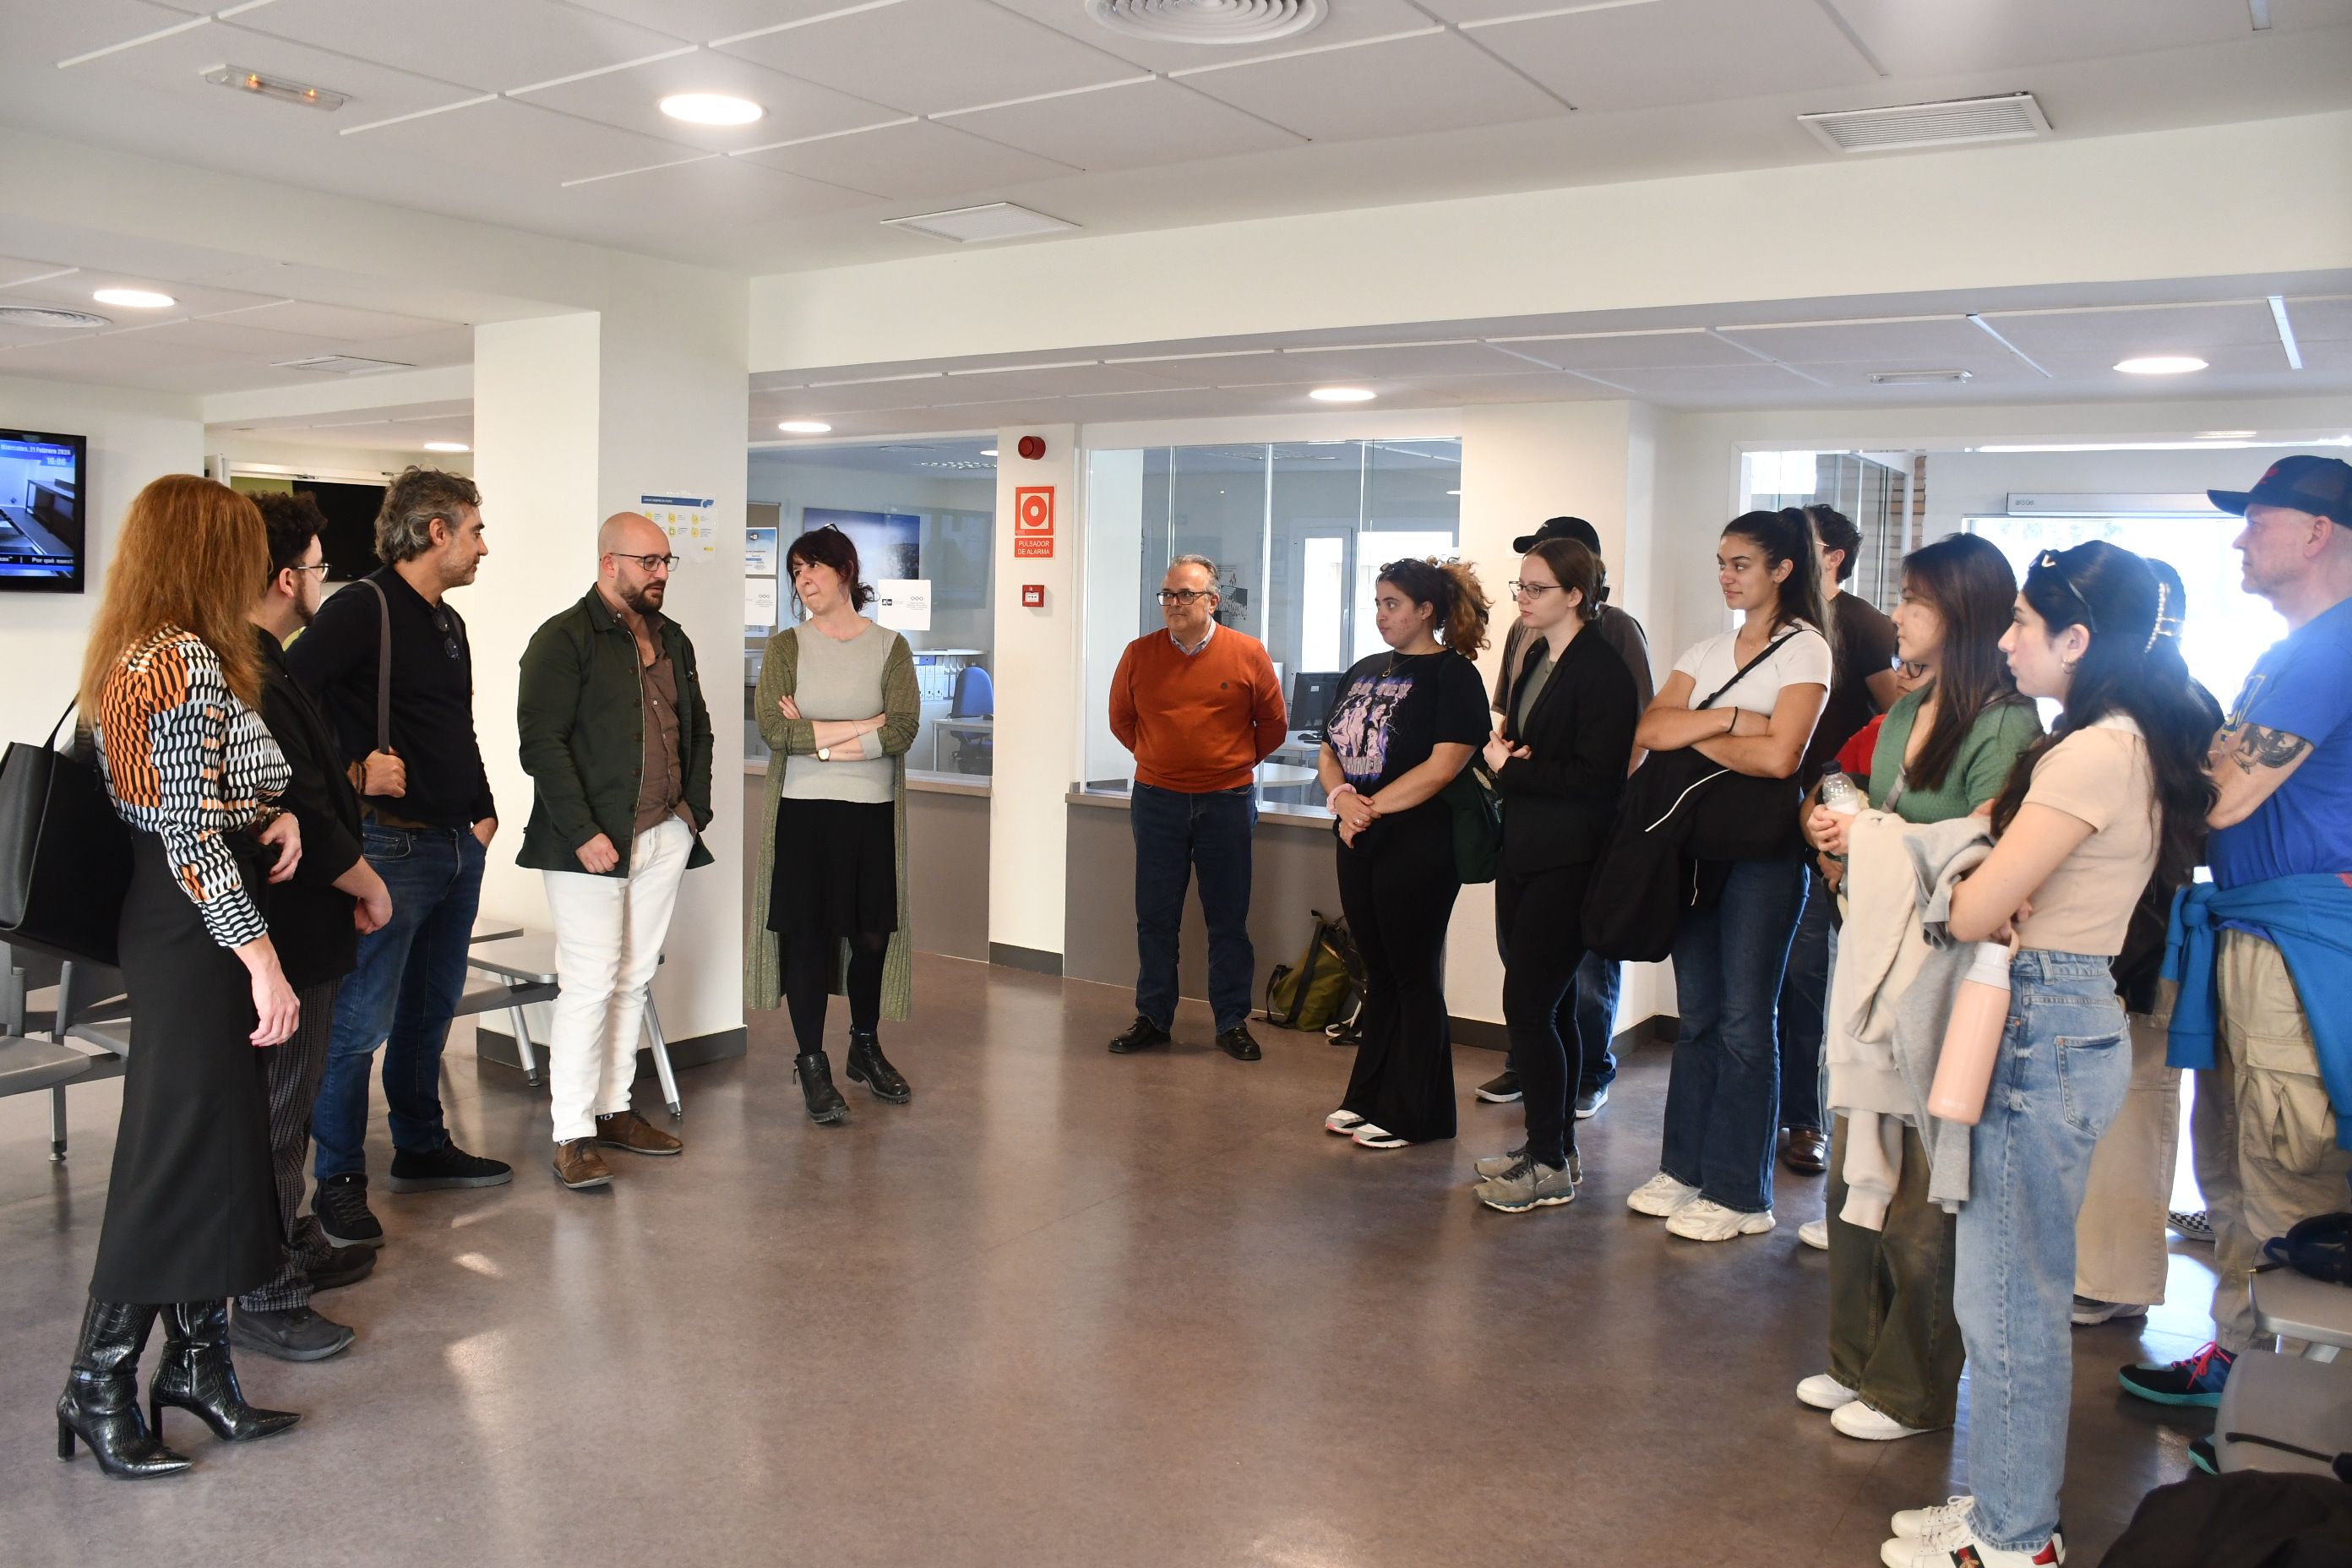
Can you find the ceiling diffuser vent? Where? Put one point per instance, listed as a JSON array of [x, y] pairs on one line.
[[966, 225], [1210, 22], [53, 320], [342, 365], [2013, 117]]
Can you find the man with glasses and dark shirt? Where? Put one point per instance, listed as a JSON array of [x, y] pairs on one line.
[[1200, 707], [409, 742]]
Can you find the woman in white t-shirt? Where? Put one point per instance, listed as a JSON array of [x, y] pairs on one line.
[[1768, 682]]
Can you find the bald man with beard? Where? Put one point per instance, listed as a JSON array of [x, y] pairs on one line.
[[616, 739]]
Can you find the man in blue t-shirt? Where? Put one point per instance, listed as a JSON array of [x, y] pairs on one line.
[[2281, 766]]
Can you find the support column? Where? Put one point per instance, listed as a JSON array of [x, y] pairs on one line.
[[1038, 684]]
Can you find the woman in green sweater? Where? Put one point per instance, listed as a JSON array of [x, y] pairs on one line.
[[1945, 750]]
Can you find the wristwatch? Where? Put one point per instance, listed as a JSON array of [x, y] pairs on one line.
[[825, 754]]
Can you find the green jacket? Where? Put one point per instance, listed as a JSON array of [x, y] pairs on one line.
[[580, 711]]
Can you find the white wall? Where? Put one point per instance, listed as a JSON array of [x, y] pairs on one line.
[[1037, 692], [134, 436]]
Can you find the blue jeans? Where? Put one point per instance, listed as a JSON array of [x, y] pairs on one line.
[[1594, 999], [1804, 1002], [1176, 834], [1723, 1099], [2065, 1064], [402, 996]]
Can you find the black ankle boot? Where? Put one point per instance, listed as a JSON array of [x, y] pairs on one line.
[[197, 1375], [100, 1404], [825, 1105], [867, 1065]]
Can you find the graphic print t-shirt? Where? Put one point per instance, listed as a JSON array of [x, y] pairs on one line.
[[1393, 710]]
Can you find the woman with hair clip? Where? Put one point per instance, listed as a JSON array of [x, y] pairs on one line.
[[1746, 700], [1405, 723], [2115, 794], [1945, 750], [2120, 1258], [1559, 764], [839, 706], [172, 688]]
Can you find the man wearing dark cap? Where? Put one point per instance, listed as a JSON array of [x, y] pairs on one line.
[[1593, 998], [2264, 952]]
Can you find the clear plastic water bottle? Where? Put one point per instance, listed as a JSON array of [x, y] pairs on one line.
[[1839, 795]]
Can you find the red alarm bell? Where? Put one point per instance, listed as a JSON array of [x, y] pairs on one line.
[[1032, 448]]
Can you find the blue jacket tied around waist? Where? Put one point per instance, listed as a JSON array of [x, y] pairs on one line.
[[2310, 918]]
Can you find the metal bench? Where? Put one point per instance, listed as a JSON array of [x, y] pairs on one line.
[[523, 969], [2286, 1399]]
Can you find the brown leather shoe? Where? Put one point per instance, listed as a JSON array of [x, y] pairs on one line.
[[1808, 1152], [627, 1130], [578, 1165]]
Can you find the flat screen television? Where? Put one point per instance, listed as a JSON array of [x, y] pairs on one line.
[[44, 503]]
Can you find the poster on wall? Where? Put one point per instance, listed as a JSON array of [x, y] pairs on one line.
[[688, 520], [903, 603], [759, 604], [889, 543], [759, 552]]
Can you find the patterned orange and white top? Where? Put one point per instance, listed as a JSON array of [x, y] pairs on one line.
[[188, 761]]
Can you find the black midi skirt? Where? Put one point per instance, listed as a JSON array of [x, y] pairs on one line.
[[836, 868], [191, 1211]]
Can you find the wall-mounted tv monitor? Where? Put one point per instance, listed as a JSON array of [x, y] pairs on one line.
[[43, 507]]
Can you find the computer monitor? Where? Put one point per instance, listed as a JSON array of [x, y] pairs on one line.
[[1310, 698]]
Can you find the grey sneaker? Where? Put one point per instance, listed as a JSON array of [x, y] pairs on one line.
[[1527, 1185], [1588, 1105], [1494, 1165]]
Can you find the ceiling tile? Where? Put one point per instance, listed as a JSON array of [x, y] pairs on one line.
[[1953, 337], [108, 356], [701, 21], [521, 140], [14, 335], [1400, 361], [2321, 319], [1131, 127], [631, 100], [224, 335], [2328, 355], [171, 71], [1349, 22], [2161, 330], [1409, 87], [1681, 51], [819, 402], [73, 290], [715, 192], [327, 320], [1066, 381], [50, 33], [910, 160], [1605, 350], [1999, 35], [444, 345], [1539, 387], [923, 57], [492, 47], [1754, 378], [15, 270]]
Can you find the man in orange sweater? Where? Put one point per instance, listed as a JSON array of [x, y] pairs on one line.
[[1200, 707]]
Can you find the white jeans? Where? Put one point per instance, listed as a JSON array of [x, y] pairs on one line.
[[608, 942]]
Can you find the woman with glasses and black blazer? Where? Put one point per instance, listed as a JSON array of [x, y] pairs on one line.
[[1559, 764]]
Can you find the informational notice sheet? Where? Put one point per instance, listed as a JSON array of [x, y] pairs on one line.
[[903, 603], [689, 521]]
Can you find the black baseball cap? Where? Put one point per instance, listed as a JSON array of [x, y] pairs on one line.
[[1574, 528], [2320, 486]]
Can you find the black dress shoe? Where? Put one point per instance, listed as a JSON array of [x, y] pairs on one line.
[[1238, 1044], [344, 1266], [1808, 1152], [1140, 1035], [296, 1333]]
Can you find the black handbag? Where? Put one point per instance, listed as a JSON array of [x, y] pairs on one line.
[[65, 856]]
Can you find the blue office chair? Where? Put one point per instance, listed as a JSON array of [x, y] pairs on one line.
[[975, 694]]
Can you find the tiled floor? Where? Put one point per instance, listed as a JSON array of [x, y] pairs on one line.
[[1066, 1308]]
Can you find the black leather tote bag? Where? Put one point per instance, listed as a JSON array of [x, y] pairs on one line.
[[65, 856]]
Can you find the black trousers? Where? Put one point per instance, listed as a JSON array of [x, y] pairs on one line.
[[1397, 887], [1538, 918], [291, 1074]]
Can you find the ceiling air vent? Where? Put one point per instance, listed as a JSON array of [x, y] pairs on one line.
[[342, 365], [996, 220], [51, 319], [2013, 117], [1209, 21]]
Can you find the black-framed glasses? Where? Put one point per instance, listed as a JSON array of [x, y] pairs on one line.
[[1185, 595], [650, 563], [1531, 589], [2049, 562]]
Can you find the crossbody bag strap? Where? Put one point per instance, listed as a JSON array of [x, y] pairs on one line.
[[384, 665], [1741, 673]]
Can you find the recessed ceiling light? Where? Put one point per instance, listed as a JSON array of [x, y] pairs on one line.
[[2160, 364], [711, 109], [804, 426], [1916, 377], [133, 298], [447, 447], [284, 92], [1343, 394]]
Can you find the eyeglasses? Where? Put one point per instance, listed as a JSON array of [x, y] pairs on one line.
[[2049, 562], [1531, 589], [650, 563], [1185, 595], [320, 569]]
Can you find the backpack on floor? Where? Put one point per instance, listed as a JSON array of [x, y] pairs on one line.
[[1314, 991]]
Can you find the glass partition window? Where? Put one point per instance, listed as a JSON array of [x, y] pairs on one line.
[[1298, 530]]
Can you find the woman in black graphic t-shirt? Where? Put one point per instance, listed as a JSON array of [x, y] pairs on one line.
[[1407, 720]]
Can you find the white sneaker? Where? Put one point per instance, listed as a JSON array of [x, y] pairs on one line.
[[1824, 1392], [2089, 1311], [1704, 1219], [1859, 1420], [1957, 1546], [1659, 1196], [1342, 1122], [1815, 1233], [1368, 1136], [1920, 1524]]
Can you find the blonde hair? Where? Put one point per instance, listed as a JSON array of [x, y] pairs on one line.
[[191, 556]]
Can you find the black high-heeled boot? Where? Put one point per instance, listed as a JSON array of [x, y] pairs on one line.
[[197, 1375], [100, 1404], [866, 1064], [825, 1105]]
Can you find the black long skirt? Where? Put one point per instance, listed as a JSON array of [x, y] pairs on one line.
[[191, 1212]]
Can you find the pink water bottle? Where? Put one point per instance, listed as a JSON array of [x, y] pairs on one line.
[[1972, 1038]]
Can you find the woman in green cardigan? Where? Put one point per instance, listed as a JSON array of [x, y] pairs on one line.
[[839, 706]]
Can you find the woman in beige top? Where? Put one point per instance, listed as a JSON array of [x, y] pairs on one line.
[[2088, 814]]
